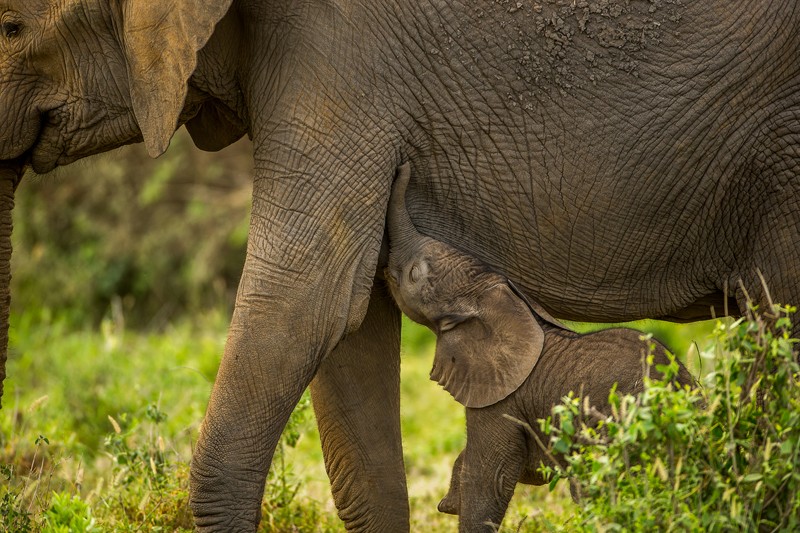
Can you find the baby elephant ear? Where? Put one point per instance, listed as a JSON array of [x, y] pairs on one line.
[[485, 358]]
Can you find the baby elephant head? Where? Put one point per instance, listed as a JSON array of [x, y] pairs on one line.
[[488, 336]]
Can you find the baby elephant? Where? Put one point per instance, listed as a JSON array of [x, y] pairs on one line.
[[489, 338], [501, 453]]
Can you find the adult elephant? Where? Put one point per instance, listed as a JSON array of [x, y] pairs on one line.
[[617, 159]]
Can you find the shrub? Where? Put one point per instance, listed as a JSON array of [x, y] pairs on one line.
[[722, 458]]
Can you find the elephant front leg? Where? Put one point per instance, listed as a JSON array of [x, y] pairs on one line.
[[306, 284], [492, 464], [356, 397], [263, 373]]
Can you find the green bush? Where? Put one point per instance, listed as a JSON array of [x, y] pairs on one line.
[[724, 457]]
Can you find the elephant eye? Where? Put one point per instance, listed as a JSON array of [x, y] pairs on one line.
[[11, 29], [446, 323], [413, 274]]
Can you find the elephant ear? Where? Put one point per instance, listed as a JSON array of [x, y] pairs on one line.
[[486, 357], [161, 44]]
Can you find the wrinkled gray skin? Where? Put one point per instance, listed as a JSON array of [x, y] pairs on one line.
[[619, 159], [501, 452], [459, 296]]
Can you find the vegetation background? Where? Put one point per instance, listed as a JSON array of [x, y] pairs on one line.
[[125, 269]]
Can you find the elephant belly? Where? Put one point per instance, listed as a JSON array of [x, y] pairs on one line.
[[591, 177]]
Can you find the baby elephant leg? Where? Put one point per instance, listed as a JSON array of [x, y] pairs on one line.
[[492, 464], [451, 502]]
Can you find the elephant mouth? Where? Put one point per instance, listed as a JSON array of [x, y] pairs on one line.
[[48, 151], [45, 145], [55, 147], [51, 151], [27, 157]]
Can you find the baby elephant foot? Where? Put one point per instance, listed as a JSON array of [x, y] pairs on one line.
[[451, 503], [448, 505]]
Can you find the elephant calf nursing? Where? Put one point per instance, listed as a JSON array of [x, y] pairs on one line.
[[489, 338]]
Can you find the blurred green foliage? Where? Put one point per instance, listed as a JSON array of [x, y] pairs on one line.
[[145, 239]]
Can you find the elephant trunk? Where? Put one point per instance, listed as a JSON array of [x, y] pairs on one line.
[[404, 238], [9, 179]]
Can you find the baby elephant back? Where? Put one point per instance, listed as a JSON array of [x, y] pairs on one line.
[[591, 364]]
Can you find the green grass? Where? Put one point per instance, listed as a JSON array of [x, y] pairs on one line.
[[94, 413], [97, 429]]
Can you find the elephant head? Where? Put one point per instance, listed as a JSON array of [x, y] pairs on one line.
[[489, 337], [85, 76]]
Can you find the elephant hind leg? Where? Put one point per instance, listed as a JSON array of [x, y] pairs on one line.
[[771, 273], [764, 207], [356, 397]]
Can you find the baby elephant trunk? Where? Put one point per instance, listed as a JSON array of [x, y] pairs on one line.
[[9, 179], [403, 236]]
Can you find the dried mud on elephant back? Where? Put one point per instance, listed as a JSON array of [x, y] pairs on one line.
[[10, 176]]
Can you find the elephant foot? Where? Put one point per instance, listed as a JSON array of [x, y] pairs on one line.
[[448, 505]]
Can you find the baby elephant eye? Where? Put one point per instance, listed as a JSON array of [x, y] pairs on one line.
[[413, 274], [10, 29], [446, 326], [449, 322]]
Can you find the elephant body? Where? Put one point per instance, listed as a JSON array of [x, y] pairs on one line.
[[618, 159], [526, 140]]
